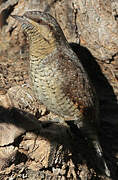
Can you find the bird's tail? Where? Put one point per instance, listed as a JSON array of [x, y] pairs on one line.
[[90, 133]]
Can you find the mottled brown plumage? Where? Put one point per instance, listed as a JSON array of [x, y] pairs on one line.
[[58, 77]]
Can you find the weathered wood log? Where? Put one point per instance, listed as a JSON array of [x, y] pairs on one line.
[[92, 24]]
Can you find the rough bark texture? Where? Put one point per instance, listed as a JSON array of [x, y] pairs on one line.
[[32, 149]]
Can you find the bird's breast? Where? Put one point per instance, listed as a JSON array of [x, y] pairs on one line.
[[48, 87]]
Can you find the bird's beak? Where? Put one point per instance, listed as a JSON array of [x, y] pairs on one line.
[[21, 19]]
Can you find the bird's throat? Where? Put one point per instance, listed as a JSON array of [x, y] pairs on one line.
[[40, 48]]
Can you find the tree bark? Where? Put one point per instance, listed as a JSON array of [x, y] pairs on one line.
[[49, 151]]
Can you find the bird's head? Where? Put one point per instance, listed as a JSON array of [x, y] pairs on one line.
[[36, 23]]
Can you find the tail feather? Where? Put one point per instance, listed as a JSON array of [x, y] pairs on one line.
[[90, 133]]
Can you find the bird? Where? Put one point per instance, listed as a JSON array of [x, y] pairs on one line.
[[59, 80]]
